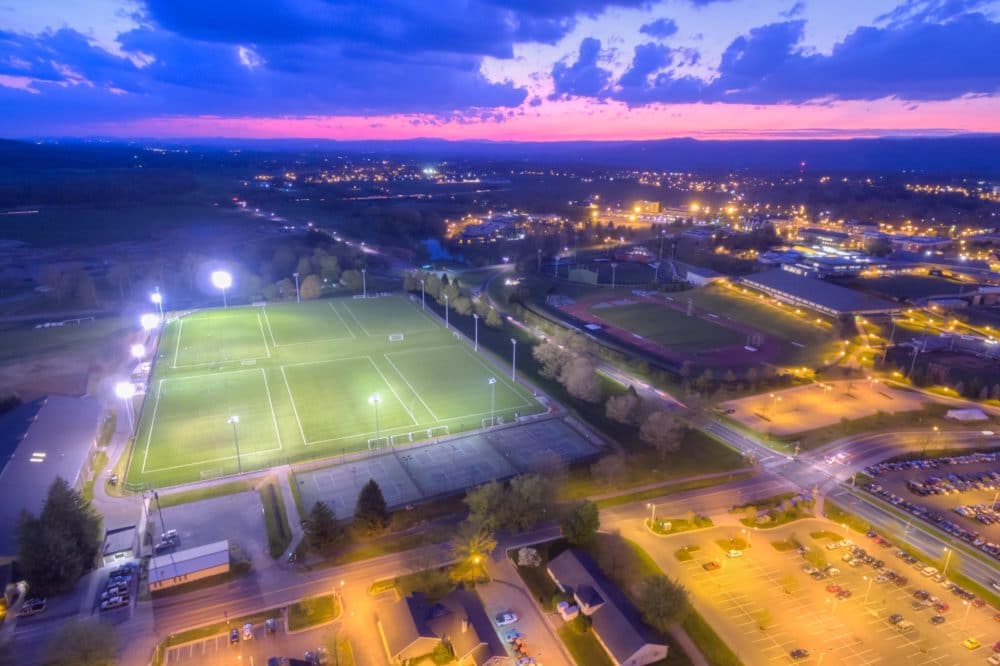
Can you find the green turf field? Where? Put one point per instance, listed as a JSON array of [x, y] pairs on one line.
[[671, 329], [301, 378]]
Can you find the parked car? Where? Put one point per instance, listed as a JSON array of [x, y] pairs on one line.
[[234, 636], [31, 607], [248, 632], [734, 553], [799, 653], [937, 619], [711, 566], [506, 617], [270, 625], [971, 643]]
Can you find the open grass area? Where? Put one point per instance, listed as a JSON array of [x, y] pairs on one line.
[[666, 526], [714, 648], [307, 381], [97, 463], [207, 492], [686, 553], [313, 611], [24, 342], [781, 322], [669, 328]]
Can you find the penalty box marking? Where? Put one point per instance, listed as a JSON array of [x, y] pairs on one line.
[[276, 344], [156, 404], [177, 347], [291, 397]]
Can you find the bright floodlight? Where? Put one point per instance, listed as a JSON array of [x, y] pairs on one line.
[[222, 279], [374, 400], [138, 350], [149, 321], [234, 419], [125, 390], [492, 380], [156, 297]]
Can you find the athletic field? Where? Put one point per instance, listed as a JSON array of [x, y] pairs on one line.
[[308, 381]]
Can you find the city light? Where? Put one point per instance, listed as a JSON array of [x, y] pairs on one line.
[[138, 350], [222, 280], [149, 321], [125, 390]]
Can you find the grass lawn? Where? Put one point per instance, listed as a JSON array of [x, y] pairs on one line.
[[780, 322], [207, 492], [685, 554], [584, 647], [307, 381], [313, 611], [825, 534], [669, 328], [783, 545], [678, 525], [714, 648]]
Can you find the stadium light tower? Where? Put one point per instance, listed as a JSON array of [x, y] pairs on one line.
[[513, 360], [157, 299], [296, 276], [475, 324], [374, 400], [364, 282], [126, 391], [234, 421], [446, 312], [493, 400], [138, 350], [149, 321], [222, 281], [422, 305]]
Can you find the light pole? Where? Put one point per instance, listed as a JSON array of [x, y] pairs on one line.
[[947, 559], [965, 617], [157, 298], [844, 525], [149, 321], [137, 350], [493, 400], [364, 282], [374, 400], [296, 276], [446, 312], [652, 513], [475, 324], [422, 302], [222, 281], [126, 391], [868, 589], [233, 421], [513, 360], [614, 270]]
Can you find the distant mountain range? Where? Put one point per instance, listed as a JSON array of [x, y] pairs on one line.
[[976, 155]]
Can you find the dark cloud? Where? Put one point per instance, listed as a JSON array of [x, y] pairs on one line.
[[661, 28], [915, 61], [583, 78]]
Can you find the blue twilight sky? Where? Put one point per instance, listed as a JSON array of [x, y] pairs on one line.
[[517, 69]]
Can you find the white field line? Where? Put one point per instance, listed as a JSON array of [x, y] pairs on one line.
[[386, 380], [269, 329], [177, 347], [274, 417], [358, 321], [263, 337], [294, 410], [342, 321], [415, 392], [325, 361], [152, 423], [200, 462], [493, 370]]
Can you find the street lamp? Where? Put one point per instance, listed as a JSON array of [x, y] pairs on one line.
[[614, 270], [475, 325], [126, 391], [138, 350], [513, 360], [364, 282], [870, 579], [965, 617], [422, 294], [652, 513], [149, 321], [844, 525], [374, 400], [947, 559], [446, 312], [234, 420], [493, 400], [157, 299], [297, 298], [222, 280]]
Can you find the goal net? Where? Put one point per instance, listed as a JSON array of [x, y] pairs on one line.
[[378, 442], [395, 337]]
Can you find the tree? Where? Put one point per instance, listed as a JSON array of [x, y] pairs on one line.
[[58, 546], [320, 527], [329, 268], [662, 602], [371, 513], [304, 267], [286, 288], [815, 557], [527, 502], [80, 643], [470, 547], [581, 522], [352, 280], [580, 379], [484, 504], [623, 408], [493, 319], [663, 431], [311, 288], [610, 469], [462, 305]]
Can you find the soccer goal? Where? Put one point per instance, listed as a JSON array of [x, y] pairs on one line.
[[395, 337], [376, 443], [492, 421], [437, 431], [402, 438]]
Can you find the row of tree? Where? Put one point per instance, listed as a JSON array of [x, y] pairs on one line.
[[442, 290]]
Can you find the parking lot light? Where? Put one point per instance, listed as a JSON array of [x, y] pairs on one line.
[[652, 513], [870, 580], [947, 559], [373, 401], [233, 420]]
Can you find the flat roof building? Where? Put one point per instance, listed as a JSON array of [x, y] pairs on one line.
[[187, 566], [819, 295], [57, 443]]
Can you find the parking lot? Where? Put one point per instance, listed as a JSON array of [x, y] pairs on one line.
[[237, 517], [765, 606], [217, 650]]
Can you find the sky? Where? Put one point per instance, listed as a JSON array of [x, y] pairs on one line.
[[503, 70]]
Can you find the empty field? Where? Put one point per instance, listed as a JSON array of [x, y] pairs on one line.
[[670, 328], [780, 322], [307, 381]]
